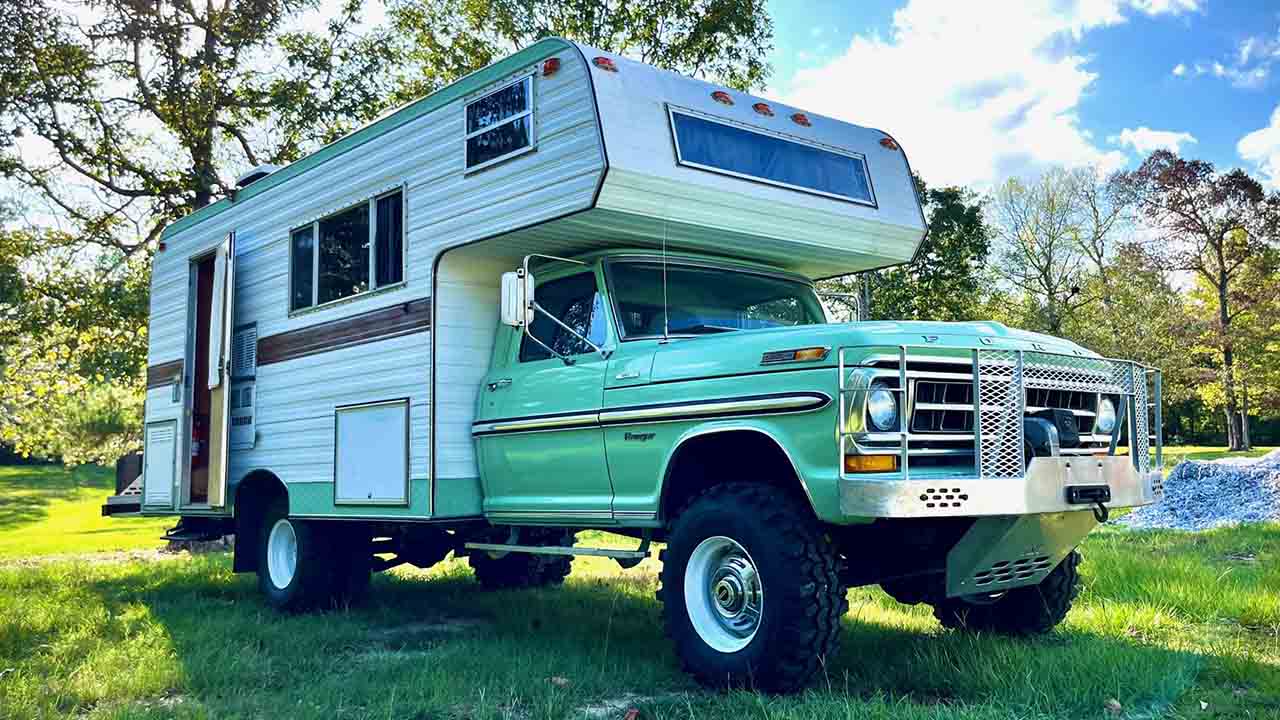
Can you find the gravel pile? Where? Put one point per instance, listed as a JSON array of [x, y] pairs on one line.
[[1200, 495]]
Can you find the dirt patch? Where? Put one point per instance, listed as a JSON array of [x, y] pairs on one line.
[[102, 558], [611, 708]]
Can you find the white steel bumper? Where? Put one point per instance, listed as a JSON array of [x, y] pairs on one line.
[[1042, 490]]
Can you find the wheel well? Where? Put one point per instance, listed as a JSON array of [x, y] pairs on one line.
[[254, 494], [704, 461]]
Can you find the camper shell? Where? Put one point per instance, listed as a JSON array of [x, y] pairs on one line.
[[364, 335]]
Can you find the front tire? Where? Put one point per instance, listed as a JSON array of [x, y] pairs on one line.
[[750, 589], [1031, 610], [293, 569]]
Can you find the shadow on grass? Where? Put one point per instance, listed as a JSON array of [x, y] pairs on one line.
[[26, 491], [441, 648]]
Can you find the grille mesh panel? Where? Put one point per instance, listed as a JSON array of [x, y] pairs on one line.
[[1000, 453]]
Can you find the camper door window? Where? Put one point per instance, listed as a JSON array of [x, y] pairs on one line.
[[348, 253], [500, 125]]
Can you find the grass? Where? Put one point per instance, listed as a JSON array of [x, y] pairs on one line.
[[1166, 621], [47, 510]]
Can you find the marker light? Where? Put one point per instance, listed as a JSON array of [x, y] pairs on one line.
[[604, 63], [763, 109], [722, 97], [550, 67], [888, 143], [1106, 421], [812, 354], [882, 408], [802, 120], [870, 463]]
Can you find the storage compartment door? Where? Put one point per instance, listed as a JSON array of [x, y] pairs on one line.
[[371, 448], [159, 464]]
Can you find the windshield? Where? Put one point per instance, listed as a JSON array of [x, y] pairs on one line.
[[702, 300]]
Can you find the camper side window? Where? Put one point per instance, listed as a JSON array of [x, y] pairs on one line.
[[575, 302], [347, 253]]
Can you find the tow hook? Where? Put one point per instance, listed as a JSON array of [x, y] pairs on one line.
[[1094, 495]]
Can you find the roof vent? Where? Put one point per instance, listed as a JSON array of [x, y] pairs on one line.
[[255, 175]]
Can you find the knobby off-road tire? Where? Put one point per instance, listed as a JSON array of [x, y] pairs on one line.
[[1031, 610], [307, 566], [753, 537], [522, 570]]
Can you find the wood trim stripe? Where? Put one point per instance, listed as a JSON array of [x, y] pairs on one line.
[[388, 322], [164, 374]]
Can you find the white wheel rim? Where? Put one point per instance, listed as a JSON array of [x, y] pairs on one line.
[[282, 553], [723, 594]]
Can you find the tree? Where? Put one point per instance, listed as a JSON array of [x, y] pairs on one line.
[[1054, 233], [146, 109], [944, 280], [726, 41], [1216, 226]]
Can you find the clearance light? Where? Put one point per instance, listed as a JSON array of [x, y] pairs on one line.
[[722, 97], [870, 463], [550, 67], [604, 63], [813, 354], [763, 109], [888, 143], [801, 119]]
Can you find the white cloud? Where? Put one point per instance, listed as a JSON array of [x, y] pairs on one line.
[[1144, 140], [1262, 148], [1160, 7], [975, 92], [1179, 70], [1249, 66]]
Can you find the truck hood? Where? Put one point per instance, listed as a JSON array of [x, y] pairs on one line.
[[740, 352]]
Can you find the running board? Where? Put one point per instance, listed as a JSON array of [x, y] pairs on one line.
[[560, 550]]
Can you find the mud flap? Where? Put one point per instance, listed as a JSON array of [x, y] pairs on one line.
[[1008, 551]]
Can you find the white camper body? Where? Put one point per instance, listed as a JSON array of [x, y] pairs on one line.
[[363, 405]]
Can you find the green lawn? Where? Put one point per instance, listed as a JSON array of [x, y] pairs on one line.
[[46, 510], [1166, 622]]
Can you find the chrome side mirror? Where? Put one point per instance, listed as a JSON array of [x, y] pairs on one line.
[[517, 298]]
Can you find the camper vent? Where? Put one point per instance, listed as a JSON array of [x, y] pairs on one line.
[[255, 175], [244, 352]]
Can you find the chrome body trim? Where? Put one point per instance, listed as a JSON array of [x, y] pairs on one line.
[[755, 405]]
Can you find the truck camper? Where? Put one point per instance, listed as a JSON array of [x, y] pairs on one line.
[[572, 291]]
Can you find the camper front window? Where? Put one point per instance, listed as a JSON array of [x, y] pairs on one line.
[[348, 253]]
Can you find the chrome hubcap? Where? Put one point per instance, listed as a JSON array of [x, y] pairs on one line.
[[723, 594]]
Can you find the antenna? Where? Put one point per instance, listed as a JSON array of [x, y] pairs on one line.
[[666, 315]]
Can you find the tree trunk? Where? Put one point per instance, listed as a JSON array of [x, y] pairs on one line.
[[1235, 430]]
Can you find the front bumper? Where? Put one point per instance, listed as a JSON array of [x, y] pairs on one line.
[[1042, 490]]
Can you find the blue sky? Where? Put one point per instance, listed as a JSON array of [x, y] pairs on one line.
[[978, 91]]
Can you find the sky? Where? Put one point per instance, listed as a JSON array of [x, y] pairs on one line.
[[976, 92]]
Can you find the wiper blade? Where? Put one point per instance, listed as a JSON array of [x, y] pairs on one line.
[[700, 329]]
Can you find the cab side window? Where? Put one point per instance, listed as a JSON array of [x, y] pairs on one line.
[[575, 301]]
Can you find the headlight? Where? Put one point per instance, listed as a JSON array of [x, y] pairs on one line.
[[1106, 421], [882, 408]]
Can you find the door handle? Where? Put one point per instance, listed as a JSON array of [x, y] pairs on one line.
[[500, 383]]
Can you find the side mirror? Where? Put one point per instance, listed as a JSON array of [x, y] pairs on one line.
[[517, 299]]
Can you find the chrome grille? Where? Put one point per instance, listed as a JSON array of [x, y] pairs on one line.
[[945, 429]]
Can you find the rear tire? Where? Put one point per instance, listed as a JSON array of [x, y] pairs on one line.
[[750, 589], [523, 570], [1031, 610], [293, 564]]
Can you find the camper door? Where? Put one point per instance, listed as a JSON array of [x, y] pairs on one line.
[[209, 348]]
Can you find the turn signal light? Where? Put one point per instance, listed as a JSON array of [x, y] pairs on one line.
[[870, 463], [812, 354]]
